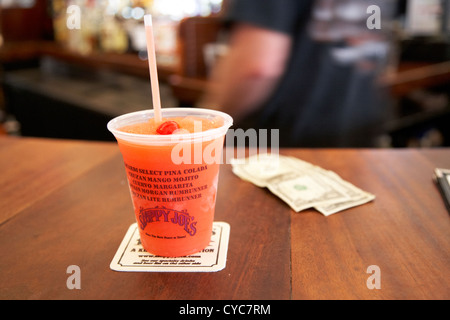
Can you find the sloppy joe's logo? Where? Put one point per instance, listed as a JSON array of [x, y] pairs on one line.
[[162, 214]]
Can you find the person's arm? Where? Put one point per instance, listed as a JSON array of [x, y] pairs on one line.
[[247, 75]]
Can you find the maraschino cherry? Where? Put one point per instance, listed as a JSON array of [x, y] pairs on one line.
[[167, 127]]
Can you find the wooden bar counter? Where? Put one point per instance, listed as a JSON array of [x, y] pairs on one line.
[[67, 202]]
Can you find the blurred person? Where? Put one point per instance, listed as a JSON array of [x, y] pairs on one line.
[[307, 68]]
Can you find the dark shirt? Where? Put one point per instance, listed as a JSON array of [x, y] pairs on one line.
[[319, 101]]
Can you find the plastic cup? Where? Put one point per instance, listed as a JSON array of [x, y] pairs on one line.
[[172, 180]]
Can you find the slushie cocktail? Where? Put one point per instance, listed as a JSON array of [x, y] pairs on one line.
[[172, 168]]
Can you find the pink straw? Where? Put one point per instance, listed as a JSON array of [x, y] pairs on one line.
[[152, 66]]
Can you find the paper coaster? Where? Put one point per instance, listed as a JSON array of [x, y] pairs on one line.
[[131, 256]]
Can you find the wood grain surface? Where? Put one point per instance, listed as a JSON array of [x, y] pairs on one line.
[[67, 203]]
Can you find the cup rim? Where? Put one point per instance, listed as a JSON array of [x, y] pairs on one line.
[[149, 139]]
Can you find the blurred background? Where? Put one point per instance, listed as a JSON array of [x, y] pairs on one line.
[[69, 66]]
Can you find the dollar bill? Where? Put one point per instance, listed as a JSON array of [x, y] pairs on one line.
[[301, 184], [259, 169], [303, 190]]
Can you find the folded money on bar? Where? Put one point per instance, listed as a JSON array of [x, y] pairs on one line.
[[442, 179], [300, 184]]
